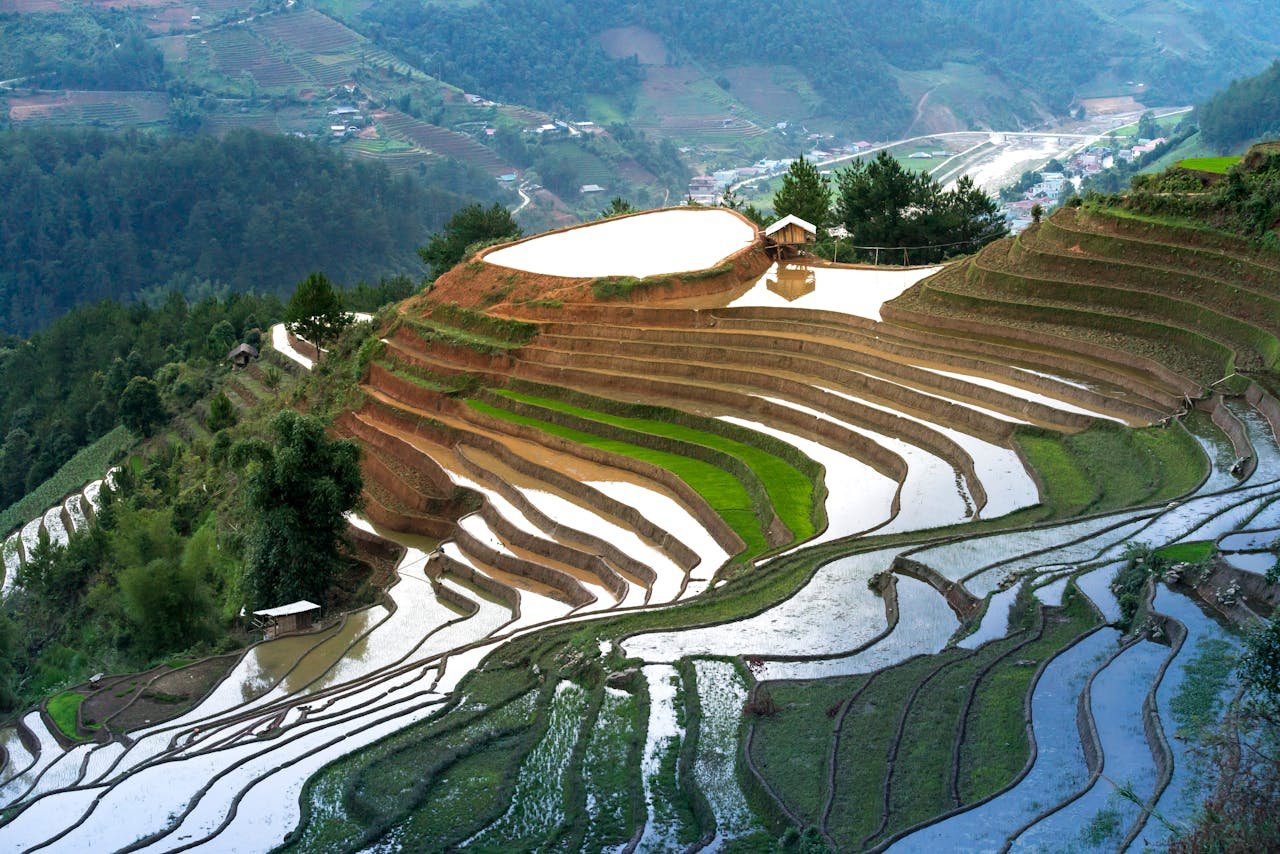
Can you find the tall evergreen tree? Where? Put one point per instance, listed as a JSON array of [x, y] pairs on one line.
[[805, 193], [473, 224], [315, 311], [299, 489]]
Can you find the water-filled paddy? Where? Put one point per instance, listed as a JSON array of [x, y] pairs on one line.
[[667, 241], [855, 291]]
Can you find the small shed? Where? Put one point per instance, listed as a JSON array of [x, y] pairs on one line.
[[241, 355], [294, 617], [791, 230]]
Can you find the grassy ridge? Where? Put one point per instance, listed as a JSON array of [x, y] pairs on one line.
[[1214, 165], [723, 492], [1108, 467], [88, 464], [790, 491]]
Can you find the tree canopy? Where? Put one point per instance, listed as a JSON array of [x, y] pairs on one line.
[[805, 193], [469, 226], [882, 204], [315, 311], [1247, 110], [300, 486], [86, 216]]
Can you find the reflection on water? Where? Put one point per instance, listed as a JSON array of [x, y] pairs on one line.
[[857, 291]]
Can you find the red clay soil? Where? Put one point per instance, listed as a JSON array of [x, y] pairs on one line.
[[476, 284]]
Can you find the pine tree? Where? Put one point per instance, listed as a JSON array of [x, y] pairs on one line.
[[805, 193], [315, 311]]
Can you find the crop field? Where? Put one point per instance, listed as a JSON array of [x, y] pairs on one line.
[[441, 141], [718, 573], [1214, 165], [114, 109]]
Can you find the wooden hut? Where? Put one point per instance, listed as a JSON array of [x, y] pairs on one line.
[[242, 355], [294, 617], [790, 234]]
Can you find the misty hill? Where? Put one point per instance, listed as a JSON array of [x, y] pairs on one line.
[[866, 62]]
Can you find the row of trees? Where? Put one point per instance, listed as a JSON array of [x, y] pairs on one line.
[[891, 213]]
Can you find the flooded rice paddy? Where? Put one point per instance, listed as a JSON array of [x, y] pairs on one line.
[[689, 239]]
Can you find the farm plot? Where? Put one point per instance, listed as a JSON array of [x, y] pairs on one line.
[[235, 52], [442, 141], [111, 109]]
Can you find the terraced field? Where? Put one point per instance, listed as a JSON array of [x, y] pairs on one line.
[[698, 571]]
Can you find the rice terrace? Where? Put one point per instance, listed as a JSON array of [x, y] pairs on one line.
[[693, 544]]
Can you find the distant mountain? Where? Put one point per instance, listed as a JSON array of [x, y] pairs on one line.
[[873, 65]]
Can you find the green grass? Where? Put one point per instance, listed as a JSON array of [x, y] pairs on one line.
[[63, 708], [790, 748], [790, 491], [722, 491], [869, 730], [1214, 165], [1189, 552], [1107, 467], [610, 769], [89, 464], [995, 747]]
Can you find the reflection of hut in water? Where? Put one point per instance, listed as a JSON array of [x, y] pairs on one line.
[[790, 234], [792, 282]]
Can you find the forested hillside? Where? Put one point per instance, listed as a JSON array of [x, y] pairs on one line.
[[87, 216], [851, 51], [1246, 110]]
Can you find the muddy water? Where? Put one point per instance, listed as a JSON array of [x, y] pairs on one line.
[[75, 512], [31, 535], [93, 495], [280, 341], [16, 753], [722, 693], [1024, 394], [858, 497], [56, 528], [666, 241], [669, 575], [12, 563], [417, 614], [937, 395], [537, 605], [671, 516], [48, 753], [259, 669], [664, 728]]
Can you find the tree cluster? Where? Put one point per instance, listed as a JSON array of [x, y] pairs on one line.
[[86, 216], [69, 384], [81, 47], [893, 215], [473, 225], [1247, 110]]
